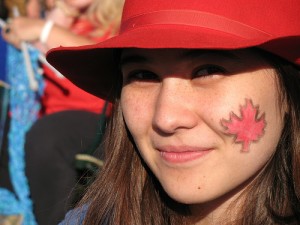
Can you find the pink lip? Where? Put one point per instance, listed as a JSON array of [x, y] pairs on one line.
[[182, 155]]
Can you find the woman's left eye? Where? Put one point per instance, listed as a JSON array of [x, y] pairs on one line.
[[208, 70], [141, 76]]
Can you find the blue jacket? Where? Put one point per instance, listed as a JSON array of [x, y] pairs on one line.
[[75, 216]]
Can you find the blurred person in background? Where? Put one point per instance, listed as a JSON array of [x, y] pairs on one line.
[[69, 117]]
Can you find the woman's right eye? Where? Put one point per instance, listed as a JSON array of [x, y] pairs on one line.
[[140, 76]]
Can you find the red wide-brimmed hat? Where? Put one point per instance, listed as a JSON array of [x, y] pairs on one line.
[[273, 25]]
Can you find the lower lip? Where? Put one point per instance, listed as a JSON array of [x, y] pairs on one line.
[[182, 157]]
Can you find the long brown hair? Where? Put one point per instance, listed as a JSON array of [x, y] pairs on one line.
[[126, 192], [274, 196]]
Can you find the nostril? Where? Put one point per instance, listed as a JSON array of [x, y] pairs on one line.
[[164, 125]]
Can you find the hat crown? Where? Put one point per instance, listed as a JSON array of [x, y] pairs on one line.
[[276, 15]]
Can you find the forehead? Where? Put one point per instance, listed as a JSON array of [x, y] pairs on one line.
[[240, 58], [149, 54]]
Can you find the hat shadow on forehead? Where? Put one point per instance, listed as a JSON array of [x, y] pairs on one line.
[[193, 24]]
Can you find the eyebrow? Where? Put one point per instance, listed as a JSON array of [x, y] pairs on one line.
[[133, 58], [199, 53], [138, 58]]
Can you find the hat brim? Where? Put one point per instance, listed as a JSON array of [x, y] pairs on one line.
[[93, 67]]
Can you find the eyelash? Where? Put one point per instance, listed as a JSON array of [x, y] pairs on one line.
[[148, 76], [140, 75], [210, 69]]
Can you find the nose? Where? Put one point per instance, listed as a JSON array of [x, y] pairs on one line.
[[174, 107]]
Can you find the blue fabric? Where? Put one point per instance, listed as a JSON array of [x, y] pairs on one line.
[[8, 203], [24, 109], [75, 216], [2, 58]]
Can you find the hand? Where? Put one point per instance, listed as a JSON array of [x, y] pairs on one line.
[[23, 29], [59, 17]]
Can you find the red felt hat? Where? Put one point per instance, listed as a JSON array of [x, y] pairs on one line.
[[273, 25]]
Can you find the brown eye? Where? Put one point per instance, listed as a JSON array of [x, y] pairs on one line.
[[209, 70], [140, 76]]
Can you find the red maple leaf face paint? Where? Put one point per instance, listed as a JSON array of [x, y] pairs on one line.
[[246, 128]]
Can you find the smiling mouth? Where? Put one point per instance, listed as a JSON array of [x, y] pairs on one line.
[[184, 156]]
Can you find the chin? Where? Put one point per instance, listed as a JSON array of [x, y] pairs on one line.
[[186, 197]]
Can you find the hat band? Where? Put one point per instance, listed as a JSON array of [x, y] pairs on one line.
[[193, 18]]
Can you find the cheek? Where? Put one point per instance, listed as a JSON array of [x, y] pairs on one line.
[[136, 110], [247, 126], [256, 115]]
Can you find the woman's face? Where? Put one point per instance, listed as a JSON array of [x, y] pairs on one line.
[[205, 122]]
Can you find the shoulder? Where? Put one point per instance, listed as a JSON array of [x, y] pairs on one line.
[[75, 216]]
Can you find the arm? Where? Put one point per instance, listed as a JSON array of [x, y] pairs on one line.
[[30, 29]]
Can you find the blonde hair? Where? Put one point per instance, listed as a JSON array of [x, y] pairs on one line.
[[107, 13]]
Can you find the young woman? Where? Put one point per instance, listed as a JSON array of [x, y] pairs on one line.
[[206, 119]]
